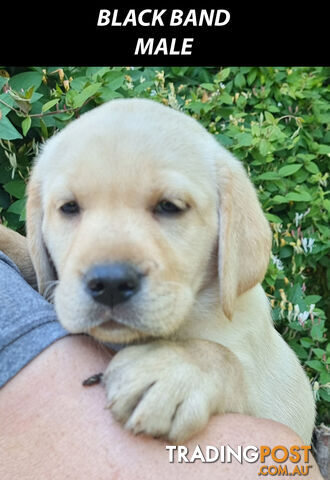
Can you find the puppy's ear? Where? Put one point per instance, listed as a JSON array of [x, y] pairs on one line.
[[37, 248], [244, 233]]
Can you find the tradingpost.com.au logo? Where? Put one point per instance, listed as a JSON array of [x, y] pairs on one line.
[[277, 455]]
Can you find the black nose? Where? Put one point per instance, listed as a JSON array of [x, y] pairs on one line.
[[112, 283]]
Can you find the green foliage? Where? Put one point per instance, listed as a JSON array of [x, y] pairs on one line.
[[275, 120]]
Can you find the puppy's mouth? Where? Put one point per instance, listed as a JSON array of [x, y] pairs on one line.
[[114, 332], [109, 323], [114, 327], [110, 319], [112, 324]]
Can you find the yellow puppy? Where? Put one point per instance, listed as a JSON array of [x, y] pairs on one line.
[[157, 237]]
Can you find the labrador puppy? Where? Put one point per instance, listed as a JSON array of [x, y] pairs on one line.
[[154, 237]]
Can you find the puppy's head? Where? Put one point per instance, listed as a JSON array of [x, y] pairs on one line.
[[133, 206]]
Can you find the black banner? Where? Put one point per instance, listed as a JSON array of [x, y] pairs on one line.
[[214, 33]]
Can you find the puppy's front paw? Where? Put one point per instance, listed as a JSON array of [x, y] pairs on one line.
[[160, 390]]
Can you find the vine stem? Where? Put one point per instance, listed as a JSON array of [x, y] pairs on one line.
[[9, 106], [45, 114], [286, 116]]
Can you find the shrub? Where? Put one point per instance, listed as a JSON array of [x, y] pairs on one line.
[[275, 120]]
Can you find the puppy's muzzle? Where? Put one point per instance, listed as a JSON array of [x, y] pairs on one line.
[[113, 283]]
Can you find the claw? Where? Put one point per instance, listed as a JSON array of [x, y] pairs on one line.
[[93, 380]]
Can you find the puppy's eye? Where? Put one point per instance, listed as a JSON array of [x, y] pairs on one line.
[[167, 207], [70, 208]]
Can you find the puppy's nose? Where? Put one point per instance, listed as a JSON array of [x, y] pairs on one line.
[[113, 283]]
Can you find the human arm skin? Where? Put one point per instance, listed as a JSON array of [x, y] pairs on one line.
[[53, 428]]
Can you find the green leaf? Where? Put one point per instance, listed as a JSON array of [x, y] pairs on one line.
[[15, 188], [35, 97], [180, 71], [273, 218], [198, 107], [244, 139], [255, 130], [270, 118], [312, 168], [319, 352], [137, 90], [44, 131], [298, 197], [295, 293], [306, 156], [286, 252], [306, 342], [324, 149], [88, 92], [109, 94], [317, 331], [325, 394], [316, 365], [279, 199], [289, 169], [116, 82], [252, 76], [17, 207], [7, 130], [9, 101], [50, 104], [239, 80], [241, 102], [324, 378], [269, 176], [208, 86], [25, 80], [227, 142], [312, 299], [96, 71], [300, 351], [264, 147], [26, 124], [221, 76], [226, 98]]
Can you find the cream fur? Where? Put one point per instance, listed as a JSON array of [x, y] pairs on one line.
[[205, 339]]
